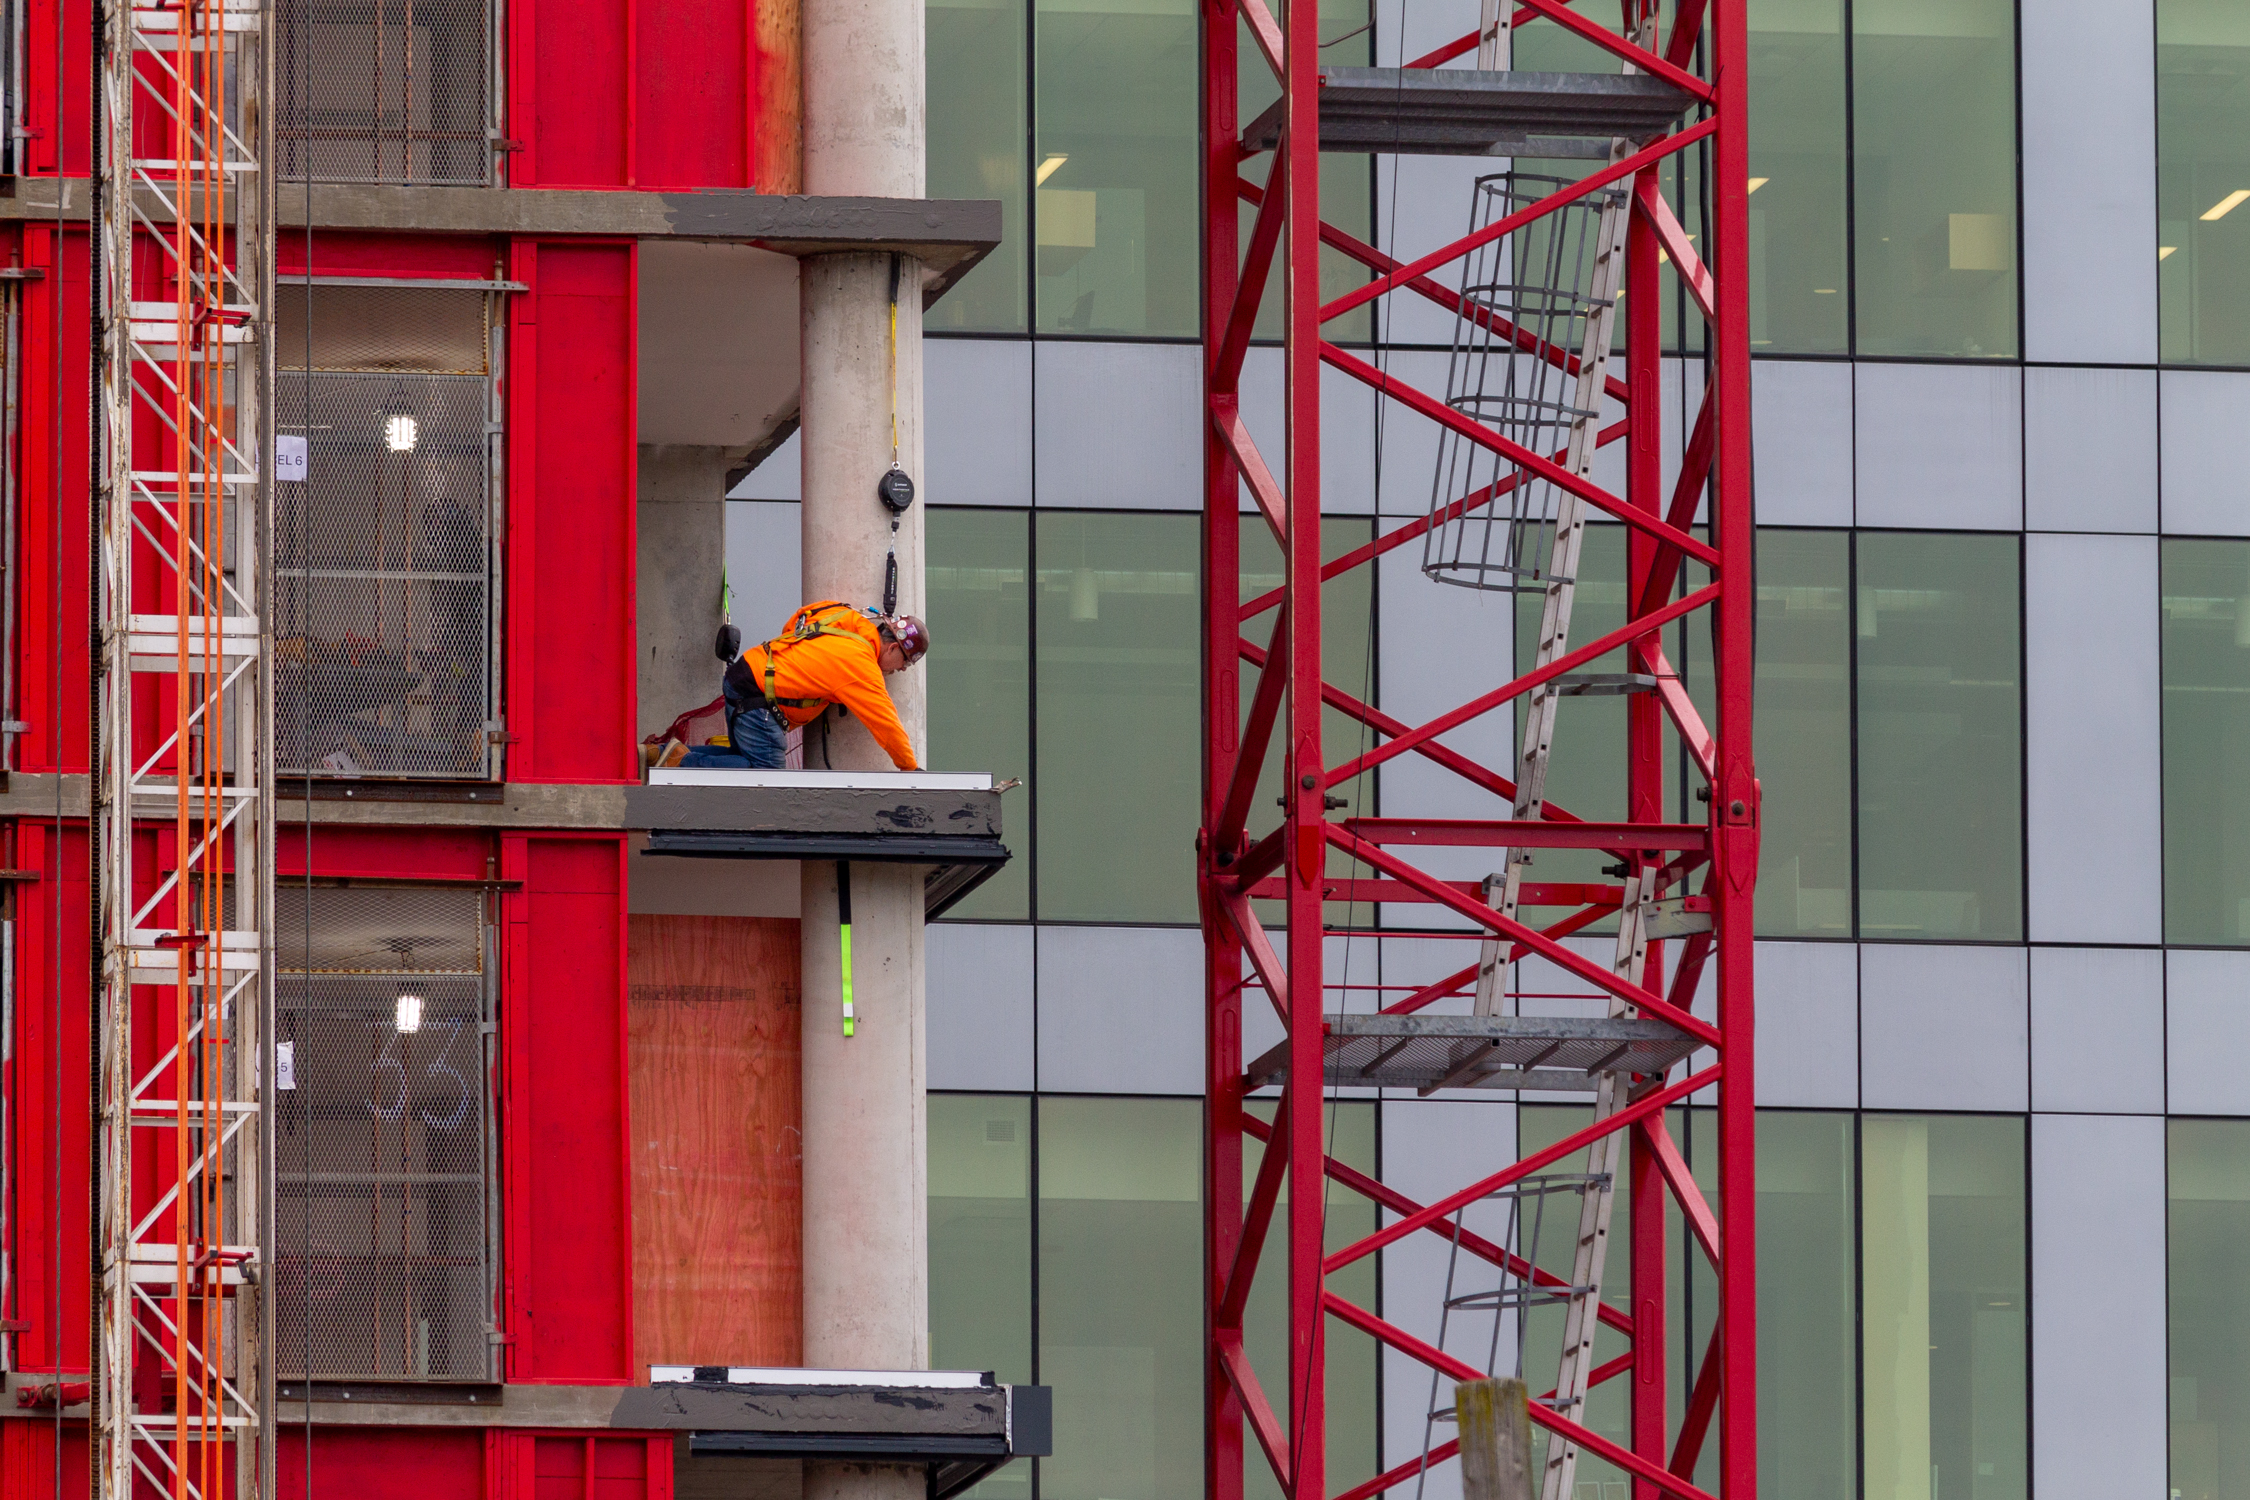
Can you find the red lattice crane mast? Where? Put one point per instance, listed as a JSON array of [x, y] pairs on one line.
[[1530, 366]]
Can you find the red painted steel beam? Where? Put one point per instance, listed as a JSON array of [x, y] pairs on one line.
[[1627, 51], [1263, 1195], [1257, 734], [1267, 35], [1475, 500], [1340, 888], [1486, 833], [1445, 1364], [1235, 1365], [1651, 1005], [1257, 264], [1649, 199], [1687, 497], [1703, 1401], [1569, 1145], [1423, 265], [1665, 1153], [1594, 650], [1226, 416], [1258, 949], [1540, 466]]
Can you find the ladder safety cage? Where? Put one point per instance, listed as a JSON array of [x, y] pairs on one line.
[[1557, 291], [182, 752]]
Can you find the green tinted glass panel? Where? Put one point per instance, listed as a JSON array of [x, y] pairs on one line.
[[1121, 1296], [2209, 1252], [1934, 176], [1943, 1314], [1804, 719], [2206, 650], [978, 579], [1807, 1316], [2203, 180], [1353, 1410], [978, 95], [1115, 194], [1937, 631], [1117, 679], [980, 1246], [1799, 267]]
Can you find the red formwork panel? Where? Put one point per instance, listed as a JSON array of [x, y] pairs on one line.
[[48, 1125], [464, 257], [57, 40], [381, 1463], [381, 853], [582, 1466], [572, 429], [53, 689], [566, 1201], [633, 93], [41, 1459]]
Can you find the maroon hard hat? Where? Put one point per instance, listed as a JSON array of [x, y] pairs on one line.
[[912, 636]]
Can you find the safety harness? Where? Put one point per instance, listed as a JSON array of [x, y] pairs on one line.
[[803, 627]]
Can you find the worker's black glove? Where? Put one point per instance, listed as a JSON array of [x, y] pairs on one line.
[[728, 645]]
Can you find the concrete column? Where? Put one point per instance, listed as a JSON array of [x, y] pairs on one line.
[[866, 1228], [681, 552]]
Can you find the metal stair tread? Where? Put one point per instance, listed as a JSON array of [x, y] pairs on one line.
[[1548, 1053], [1464, 112]]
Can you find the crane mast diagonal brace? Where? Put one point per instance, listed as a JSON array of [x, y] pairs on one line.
[[1694, 954], [182, 283]]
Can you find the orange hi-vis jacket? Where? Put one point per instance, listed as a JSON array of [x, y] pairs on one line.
[[826, 654]]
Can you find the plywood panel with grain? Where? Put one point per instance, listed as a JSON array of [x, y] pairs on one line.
[[713, 1038]]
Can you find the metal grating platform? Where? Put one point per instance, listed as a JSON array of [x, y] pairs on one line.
[[1460, 112], [1558, 1054]]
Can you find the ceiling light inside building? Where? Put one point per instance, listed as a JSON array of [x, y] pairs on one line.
[[2166, 252], [2226, 205], [409, 1016], [401, 432], [1758, 182], [1050, 166]]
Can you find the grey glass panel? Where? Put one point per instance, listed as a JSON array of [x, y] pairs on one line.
[[1799, 267], [1353, 1411], [980, 1246], [979, 94], [2208, 1230], [1937, 628], [1943, 1307], [979, 570], [1804, 730], [1115, 201], [1934, 176], [2206, 652], [1807, 1346], [1117, 679], [1587, 776], [1121, 1296], [2203, 180]]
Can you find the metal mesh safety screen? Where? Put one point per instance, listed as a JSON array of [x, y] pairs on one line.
[[1526, 304], [385, 660], [393, 91], [383, 1215]]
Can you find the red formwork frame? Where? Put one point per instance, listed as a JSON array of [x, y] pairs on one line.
[[1714, 861]]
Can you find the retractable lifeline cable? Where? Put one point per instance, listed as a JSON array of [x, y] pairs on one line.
[[894, 489], [844, 926]]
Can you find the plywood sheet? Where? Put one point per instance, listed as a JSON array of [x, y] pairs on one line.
[[717, 1168]]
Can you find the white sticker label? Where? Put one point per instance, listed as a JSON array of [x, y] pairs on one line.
[[289, 461], [285, 1065]]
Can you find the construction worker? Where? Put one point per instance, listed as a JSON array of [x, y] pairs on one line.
[[829, 653]]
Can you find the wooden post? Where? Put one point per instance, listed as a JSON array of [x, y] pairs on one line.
[[1494, 1417]]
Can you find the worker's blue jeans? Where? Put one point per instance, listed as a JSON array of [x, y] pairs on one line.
[[758, 742]]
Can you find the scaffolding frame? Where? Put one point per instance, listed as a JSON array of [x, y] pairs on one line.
[[1712, 863], [182, 755]]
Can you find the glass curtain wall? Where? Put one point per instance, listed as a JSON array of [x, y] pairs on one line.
[[1933, 94], [980, 1246], [2206, 653], [978, 575], [1804, 718], [2208, 1232], [1942, 1354], [2203, 180], [978, 123], [1117, 682], [1937, 631], [1808, 1390], [1799, 260]]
